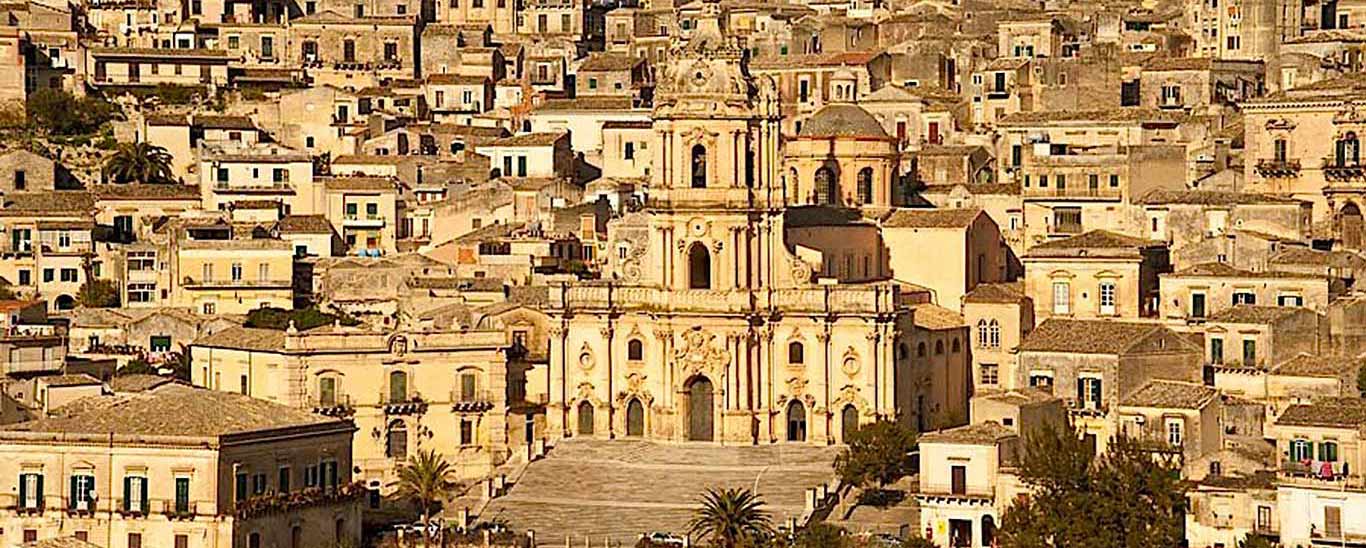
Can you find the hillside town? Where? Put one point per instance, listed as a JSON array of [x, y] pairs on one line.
[[658, 273]]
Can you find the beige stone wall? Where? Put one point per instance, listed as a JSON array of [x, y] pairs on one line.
[[1083, 278], [1177, 290], [845, 158], [1012, 322]]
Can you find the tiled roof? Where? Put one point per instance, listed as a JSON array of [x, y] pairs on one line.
[[145, 192], [245, 338], [837, 59], [609, 62], [1311, 365], [1306, 256], [61, 202], [1329, 412], [456, 80], [1025, 396], [138, 383], [540, 139], [75, 379], [1086, 336], [1170, 395], [462, 284], [1003, 292], [603, 102], [1222, 270], [936, 318], [160, 53], [982, 433], [1211, 197], [843, 120], [59, 542], [1096, 244], [1253, 314], [1009, 189], [256, 204], [931, 218], [172, 410], [1127, 115], [304, 224], [224, 122], [533, 296]]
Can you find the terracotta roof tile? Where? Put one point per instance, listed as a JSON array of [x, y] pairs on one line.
[[1170, 395], [1329, 412], [932, 218]]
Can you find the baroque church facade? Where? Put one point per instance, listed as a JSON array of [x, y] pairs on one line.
[[710, 324]]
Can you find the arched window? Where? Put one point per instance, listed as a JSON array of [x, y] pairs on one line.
[[699, 166], [938, 347], [699, 267], [327, 391], [1349, 150], [585, 418], [254, 540], [994, 334], [1301, 450], [1328, 451], [988, 531], [902, 351], [396, 441], [398, 387], [1351, 226], [865, 185], [920, 350], [982, 334], [827, 187], [635, 350], [957, 347], [796, 421], [796, 353]]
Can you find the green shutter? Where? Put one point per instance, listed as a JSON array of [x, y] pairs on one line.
[[40, 490], [23, 489], [127, 489], [146, 500], [74, 493]]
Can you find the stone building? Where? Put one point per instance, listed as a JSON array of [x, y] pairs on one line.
[[180, 466], [1098, 274], [714, 330], [841, 157]]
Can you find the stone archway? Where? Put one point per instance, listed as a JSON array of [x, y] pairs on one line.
[[701, 422], [796, 421], [635, 418]]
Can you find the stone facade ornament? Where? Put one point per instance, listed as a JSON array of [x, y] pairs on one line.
[[586, 357], [700, 352], [850, 364]]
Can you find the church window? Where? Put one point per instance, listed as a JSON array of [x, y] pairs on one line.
[[827, 187], [796, 353], [865, 185], [635, 350], [699, 267]]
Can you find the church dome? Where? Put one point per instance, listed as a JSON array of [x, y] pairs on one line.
[[843, 121]]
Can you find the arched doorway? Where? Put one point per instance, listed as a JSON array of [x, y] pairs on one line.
[[699, 267], [1351, 226], [396, 443], [65, 302], [635, 418], [827, 187], [585, 418], [848, 421], [699, 166], [796, 421], [700, 420]]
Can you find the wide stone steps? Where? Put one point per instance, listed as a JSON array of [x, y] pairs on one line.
[[616, 490]]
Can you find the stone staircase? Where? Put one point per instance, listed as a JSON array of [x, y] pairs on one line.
[[612, 491]]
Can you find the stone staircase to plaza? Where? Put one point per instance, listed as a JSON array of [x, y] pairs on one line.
[[612, 491]]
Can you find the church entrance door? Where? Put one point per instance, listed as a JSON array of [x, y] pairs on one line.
[[635, 418], [700, 410]]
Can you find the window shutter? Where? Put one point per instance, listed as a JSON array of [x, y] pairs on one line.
[[75, 490], [145, 500], [23, 490], [39, 497], [127, 490], [1081, 393]]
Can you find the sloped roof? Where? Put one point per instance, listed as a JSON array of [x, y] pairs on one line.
[[1222, 270], [1160, 196], [1252, 314], [982, 433], [1312, 365], [245, 338], [1086, 336], [172, 410], [1002, 292], [1170, 395], [935, 317], [304, 224], [1327, 412], [1096, 244], [932, 218]]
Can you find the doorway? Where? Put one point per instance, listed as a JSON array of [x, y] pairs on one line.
[[700, 410]]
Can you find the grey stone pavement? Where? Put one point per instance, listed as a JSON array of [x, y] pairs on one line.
[[612, 491]]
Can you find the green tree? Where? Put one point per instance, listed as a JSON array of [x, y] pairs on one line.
[[879, 453], [1361, 381], [426, 479], [58, 112], [820, 535], [732, 518], [97, 293], [139, 163], [1130, 498], [918, 542]]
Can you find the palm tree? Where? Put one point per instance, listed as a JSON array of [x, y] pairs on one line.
[[425, 479], [731, 518], [141, 163]]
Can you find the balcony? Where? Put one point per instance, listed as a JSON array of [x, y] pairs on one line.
[[12, 503], [253, 187], [1298, 474], [174, 511], [1278, 168], [336, 405], [139, 510], [409, 404], [362, 221], [294, 501], [471, 402], [998, 93], [1076, 192], [1335, 171], [12, 248]]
